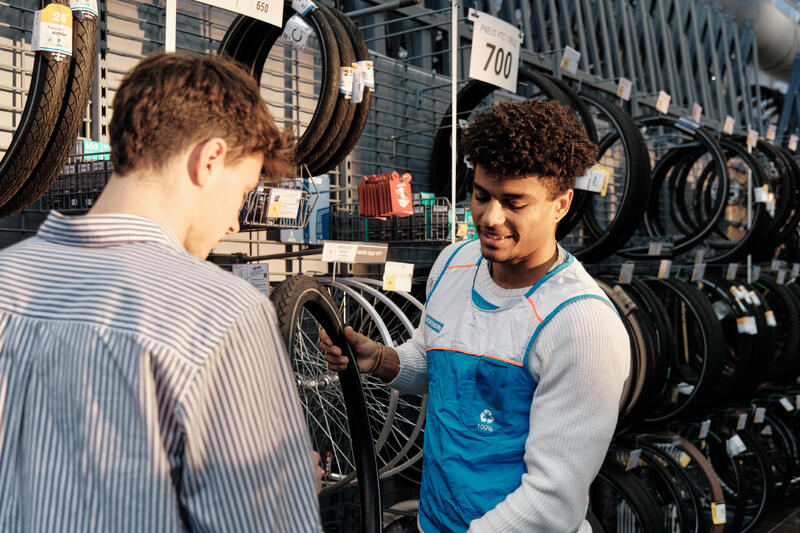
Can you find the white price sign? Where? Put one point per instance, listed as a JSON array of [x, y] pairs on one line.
[[283, 203], [624, 88], [339, 252], [495, 51], [729, 125], [397, 276], [269, 11], [570, 59], [662, 104]]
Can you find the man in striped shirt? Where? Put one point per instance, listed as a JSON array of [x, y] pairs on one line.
[[141, 387]]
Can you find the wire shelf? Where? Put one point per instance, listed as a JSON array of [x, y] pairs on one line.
[[429, 223]]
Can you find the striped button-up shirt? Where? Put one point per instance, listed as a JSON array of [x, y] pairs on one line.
[[143, 389]]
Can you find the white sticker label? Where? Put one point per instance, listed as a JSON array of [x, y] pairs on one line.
[[718, 515], [269, 11], [303, 6], [756, 275], [752, 138], [339, 252], [770, 317], [52, 30], [793, 142], [777, 264], [735, 445], [729, 125], [698, 272], [397, 276], [752, 294], [699, 256], [84, 6], [662, 104], [742, 422], [786, 403], [358, 85], [570, 60], [781, 277], [659, 248], [795, 269], [595, 180], [626, 272], [760, 194], [495, 51], [697, 112], [797, 401], [663, 268], [633, 459], [283, 203], [730, 273], [367, 69], [759, 416], [704, 427], [772, 132], [624, 88], [346, 81], [685, 388], [296, 32]]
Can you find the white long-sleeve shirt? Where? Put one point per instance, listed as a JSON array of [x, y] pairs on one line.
[[580, 360]]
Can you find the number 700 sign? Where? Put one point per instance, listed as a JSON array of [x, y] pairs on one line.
[[495, 51]]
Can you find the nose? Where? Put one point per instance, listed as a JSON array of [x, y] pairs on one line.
[[493, 214]]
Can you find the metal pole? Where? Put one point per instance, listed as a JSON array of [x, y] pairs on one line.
[[454, 106], [749, 220], [172, 25], [381, 8]]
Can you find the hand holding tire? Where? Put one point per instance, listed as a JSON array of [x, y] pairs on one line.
[[366, 350]]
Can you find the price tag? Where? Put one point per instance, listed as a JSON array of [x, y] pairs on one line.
[[662, 104], [595, 180], [633, 459], [52, 30], [793, 142], [752, 138], [684, 459], [346, 81], [699, 256], [718, 515], [772, 132], [461, 229], [770, 317], [663, 268], [742, 422], [767, 430], [296, 32], [570, 60], [697, 112], [270, 11], [704, 427], [752, 325], [786, 403], [84, 7], [795, 269], [685, 388], [303, 7], [760, 194], [777, 264], [698, 272], [257, 274], [494, 57], [781, 277], [756, 274], [367, 69], [339, 252], [797, 401], [626, 272], [771, 204], [759, 416], [730, 273], [624, 88], [735, 445], [358, 85], [283, 203], [753, 296], [729, 125], [397, 276], [659, 248]]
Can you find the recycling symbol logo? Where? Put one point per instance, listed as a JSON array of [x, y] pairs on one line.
[[487, 417]]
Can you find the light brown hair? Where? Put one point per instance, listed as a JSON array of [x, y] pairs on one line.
[[172, 101]]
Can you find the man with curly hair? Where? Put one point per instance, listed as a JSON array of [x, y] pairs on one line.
[[522, 355]]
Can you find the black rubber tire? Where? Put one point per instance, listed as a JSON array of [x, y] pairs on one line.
[[70, 119], [361, 113], [787, 313], [289, 297], [249, 42], [343, 112], [632, 491], [39, 117]]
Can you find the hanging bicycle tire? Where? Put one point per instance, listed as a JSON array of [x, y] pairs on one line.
[[39, 116], [303, 306], [622, 503], [70, 118]]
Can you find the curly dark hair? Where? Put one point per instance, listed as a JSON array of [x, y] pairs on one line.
[[533, 138]]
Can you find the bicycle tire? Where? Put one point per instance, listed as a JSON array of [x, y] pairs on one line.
[[632, 492], [289, 298], [39, 117], [70, 118]]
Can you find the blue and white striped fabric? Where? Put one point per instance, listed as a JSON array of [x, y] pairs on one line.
[[143, 389]]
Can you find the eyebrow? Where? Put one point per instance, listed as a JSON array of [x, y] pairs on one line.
[[506, 196]]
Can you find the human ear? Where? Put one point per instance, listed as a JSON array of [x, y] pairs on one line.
[[205, 159], [562, 203]]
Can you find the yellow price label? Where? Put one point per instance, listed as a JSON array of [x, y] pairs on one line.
[[565, 63], [274, 210], [389, 283], [57, 14], [718, 515], [685, 459], [461, 229]]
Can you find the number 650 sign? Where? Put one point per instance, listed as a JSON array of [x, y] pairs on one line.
[[495, 51]]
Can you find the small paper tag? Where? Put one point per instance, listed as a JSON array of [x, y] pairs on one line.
[[759, 416], [52, 30], [570, 60], [303, 6], [698, 272], [699, 256], [752, 325], [88, 7], [595, 180], [753, 296], [786, 403], [729, 125], [793, 143], [358, 85], [659, 248], [339, 252], [684, 459], [781, 277], [663, 268], [718, 515], [742, 422], [795, 269], [685, 388], [704, 427], [346, 81], [626, 272], [770, 318], [624, 88], [730, 273], [772, 132], [296, 32], [697, 112], [368, 73], [777, 264], [662, 104], [797, 401], [767, 430], [461, 229], [760, 194], [397, 276], [633, 459], [735, 445], [287, 202], [752, 138], [756, 273]]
